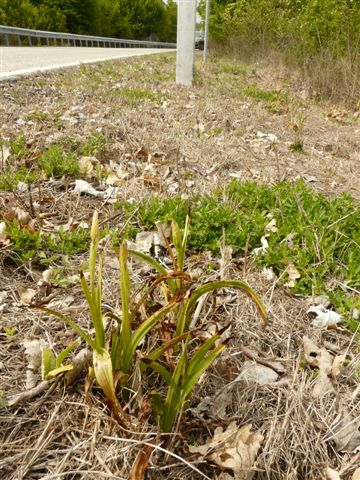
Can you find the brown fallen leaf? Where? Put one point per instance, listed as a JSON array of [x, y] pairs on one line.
[[345, 432], [138, 470], [235, 449], [26, 296], [142, 152]]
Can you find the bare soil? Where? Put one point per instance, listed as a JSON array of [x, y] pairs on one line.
[[164, 139]]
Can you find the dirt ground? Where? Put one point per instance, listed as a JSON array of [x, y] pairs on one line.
[[246, 122]]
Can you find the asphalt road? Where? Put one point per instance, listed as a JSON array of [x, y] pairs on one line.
[[15, 61]]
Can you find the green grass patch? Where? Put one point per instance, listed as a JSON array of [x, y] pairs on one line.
[[134, 96], [272, 98]]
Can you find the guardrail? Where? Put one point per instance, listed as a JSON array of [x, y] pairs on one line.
[[15, 36]]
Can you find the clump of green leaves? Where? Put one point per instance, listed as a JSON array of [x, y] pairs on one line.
[[115, 361], [56, 162]]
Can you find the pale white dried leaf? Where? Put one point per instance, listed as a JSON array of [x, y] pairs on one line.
[[33, 349], [271, 227], [271, 137], [322, 385], [86, 165], [332, 474], [317, 357], [32, 379], [264, 247], [80, 362], [233, 449], [239, 452], [293, 275], [82, 186], [4, 237], [22, 216], [268, 273], [253, 372], [356, 474], [325, 318]]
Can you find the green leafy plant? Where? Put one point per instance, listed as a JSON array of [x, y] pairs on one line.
[[114, 360], [55, 162], [52, 365]]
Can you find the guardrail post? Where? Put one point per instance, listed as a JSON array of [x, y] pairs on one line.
[[19, 40], [7, 43], [47, 41]]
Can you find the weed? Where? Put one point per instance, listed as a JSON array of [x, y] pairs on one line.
[[273, 99], [114, 362], [55, 162], [134, 96], [297, 146], [325, 240], [95, 144], [10, 180]]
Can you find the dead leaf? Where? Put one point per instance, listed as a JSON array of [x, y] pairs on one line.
[[113, 179], [82, 186], [293, 275], [80, 362], [235, 449], [344, 431], [138, 470], [4, 238], [253, 372], [264, 247], [22, 216], [26, 296], [271, 227], [142, 152], [87, 164], [356, 474], [332, 474], [338, 365], [319, 358], [151, 181], [325, 318]]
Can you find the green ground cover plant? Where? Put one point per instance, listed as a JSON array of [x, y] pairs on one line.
[[319, 235]]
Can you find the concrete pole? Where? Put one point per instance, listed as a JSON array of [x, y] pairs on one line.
[[206, 39], [185, 42]]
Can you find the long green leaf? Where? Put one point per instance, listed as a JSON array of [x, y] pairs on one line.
[[125, 295], [154, 264], [189, 305], [85, 336], [140, 333], [198, 369], [64, 353], [157, 367], [92, 298]]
